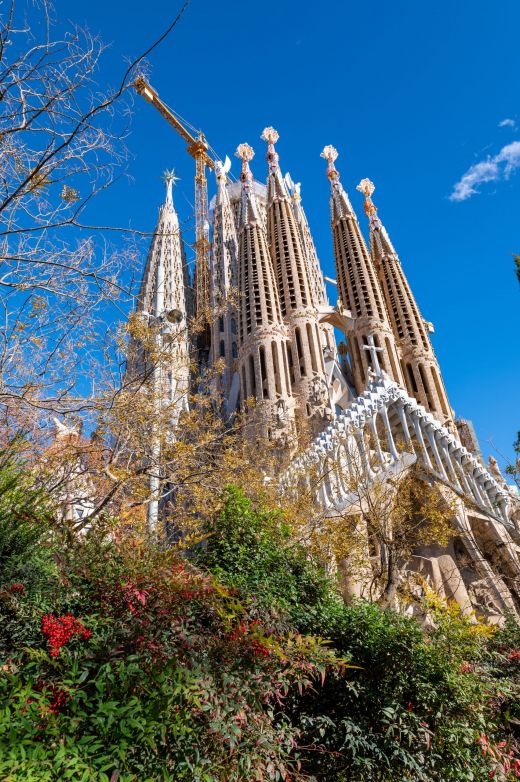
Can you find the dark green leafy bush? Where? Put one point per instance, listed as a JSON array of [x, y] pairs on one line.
[[122, 662]]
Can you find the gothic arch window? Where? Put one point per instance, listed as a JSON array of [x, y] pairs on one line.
[[312, 347], [299, 352], [291, 364], [392, 360], [358, 359], [411, 376], [380, 354], [221, 323], [233, 326], [252, 375], [222, 348], [439, 390], [263, 373], [284, 357], [244, 384], [234, 350], [426, 387], [276, 368]]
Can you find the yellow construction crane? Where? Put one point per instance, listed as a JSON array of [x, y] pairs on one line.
[[198, 149]]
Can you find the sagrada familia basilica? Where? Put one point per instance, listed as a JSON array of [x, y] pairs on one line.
[[374, 405]]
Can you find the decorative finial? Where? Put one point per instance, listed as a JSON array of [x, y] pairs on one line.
[[271, 136], [330, 154], [367, 188], [245, 153], [169, 179]]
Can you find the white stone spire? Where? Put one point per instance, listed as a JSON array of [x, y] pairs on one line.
[[340, 202], [276, 187], [358, 286], [249, 210], [262, 360], [421, 372], [223, 284], [319, 291], [295, 289], [163, 284], [162, 302], [378, 231]]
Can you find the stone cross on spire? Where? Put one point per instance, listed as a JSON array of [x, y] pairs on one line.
[[169, 179], [374, 350]]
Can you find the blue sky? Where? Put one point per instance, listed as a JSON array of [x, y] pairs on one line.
[[413, 95]]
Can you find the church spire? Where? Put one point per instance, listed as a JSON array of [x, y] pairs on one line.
[[163, 284], [420, 368], [358, 286], [306, 363], [162, 304], [262, 358], [224, 337], [319, 297]]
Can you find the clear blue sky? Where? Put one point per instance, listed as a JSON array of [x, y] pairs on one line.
[[411, 93]]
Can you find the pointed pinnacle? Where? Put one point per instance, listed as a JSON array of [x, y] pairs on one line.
[[270, 135], [330, 154], [366, 187], [245, 153]]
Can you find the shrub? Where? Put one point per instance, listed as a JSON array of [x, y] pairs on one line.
[[142, 668]]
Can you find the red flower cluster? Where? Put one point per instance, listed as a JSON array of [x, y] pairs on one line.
[[59, 630], [514, 656]]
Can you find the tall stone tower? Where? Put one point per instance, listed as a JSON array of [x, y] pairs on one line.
[[319, 296], [420, 368], [223, 284], [162, 305], [358, 286], [305, 355], [262, 358]]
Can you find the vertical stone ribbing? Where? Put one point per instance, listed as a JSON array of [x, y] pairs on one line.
[[358, 286], [262, 359], [420, 368], [318, 290], [162, 301], [223, 282], [305, 355]]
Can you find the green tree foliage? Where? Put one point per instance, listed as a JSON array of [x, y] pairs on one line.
[[138, 666], [143, 664], [421, 706], [253, 551], [26, 565]]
